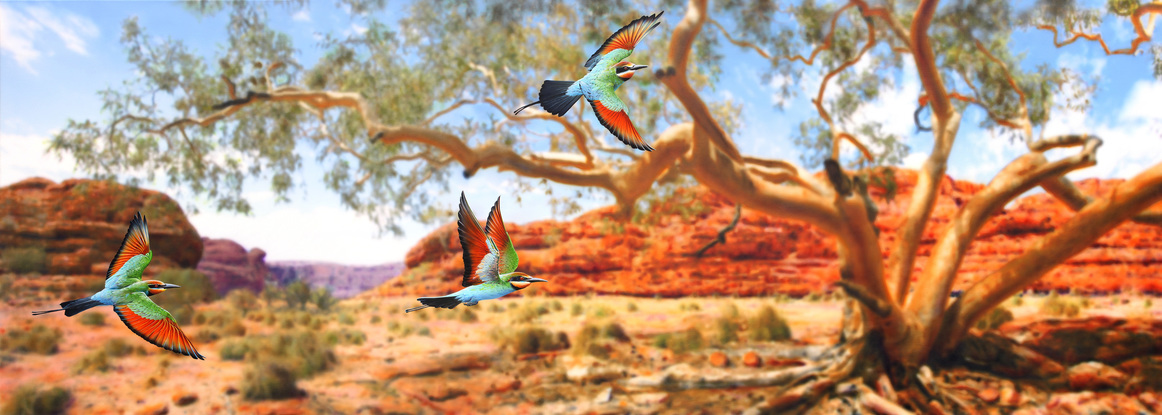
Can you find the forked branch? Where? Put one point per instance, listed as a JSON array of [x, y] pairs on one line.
[[1142, 32]]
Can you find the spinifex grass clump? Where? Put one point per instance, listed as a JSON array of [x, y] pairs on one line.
[[688, 340], [529, 339], [592, 339], [1058, 306], [93, 319], [37, 338], [265, 380], [995, 318], [100, 359], [24, 260], [29, 399], [768, 325]]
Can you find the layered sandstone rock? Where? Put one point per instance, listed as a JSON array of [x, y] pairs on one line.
[[229, 266], [80, 224], [595, 253]]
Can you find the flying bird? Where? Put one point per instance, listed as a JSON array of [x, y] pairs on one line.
[[129, 295], [607, 71], [489, 262]]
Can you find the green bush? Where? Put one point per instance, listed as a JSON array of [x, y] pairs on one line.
[[994, 319], [346, 319], [234, 350], [93, 319], [265, 380], [576, 310], [631, 307], [1058, 306], [119, 347], [350, 337], [94, 361], [468, 316], [680, 342], [726, 330], [768, 325], [586, 342], [28, 399], [305, 352], [24, 260], [322, 298], [376, 319], [531, 340], [196, 288], [39, 339], [241, 300], [297, 293]]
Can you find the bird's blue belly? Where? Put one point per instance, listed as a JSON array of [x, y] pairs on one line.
[[482, 292]]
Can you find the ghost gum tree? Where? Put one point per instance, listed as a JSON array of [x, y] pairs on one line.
[[379, 111]]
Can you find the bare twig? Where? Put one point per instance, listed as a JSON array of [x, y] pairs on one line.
[[721, 239]]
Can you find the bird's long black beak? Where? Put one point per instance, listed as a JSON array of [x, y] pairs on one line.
[[636, 67], [536, 280], [168, 286]]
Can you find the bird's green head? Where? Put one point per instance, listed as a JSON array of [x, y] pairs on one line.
[[625, 70], [520, 280], [157, 287]]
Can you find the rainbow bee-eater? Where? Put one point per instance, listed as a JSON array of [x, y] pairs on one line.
[[607, 71], [489, 262], [129, 294]]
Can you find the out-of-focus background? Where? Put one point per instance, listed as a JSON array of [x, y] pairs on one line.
[[299, 240]]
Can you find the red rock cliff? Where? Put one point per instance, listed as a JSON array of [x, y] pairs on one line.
[[80, 223], [766, 255]]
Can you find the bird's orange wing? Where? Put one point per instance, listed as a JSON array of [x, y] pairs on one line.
[[162, 332], [618, 123], [625, 38], [505, 252], [473, 241], [136, 243]]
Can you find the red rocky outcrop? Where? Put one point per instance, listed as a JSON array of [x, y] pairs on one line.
[[595, 253], [80, 224]]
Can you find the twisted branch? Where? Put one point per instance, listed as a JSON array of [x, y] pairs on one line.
[[1091, 222], [1144, 35], [1023, 174]]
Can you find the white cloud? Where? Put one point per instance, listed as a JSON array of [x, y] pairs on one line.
[[1144, 102], [308, 233], [303, 15], [1087, 66], [20, 32], [357, 28], [23, 156], [16, 32], [915, 160]]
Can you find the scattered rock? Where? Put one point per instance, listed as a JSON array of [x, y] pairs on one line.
[[718, 359], [604, 396], [155, 409], [505, 386], [752, 359], [650, 398], [1094, 376], [592, 374], [777, 362], [1103, 339], [989, 395], [183, 399], [442, 393], [1089, 402], [1009, 395], [229, 390]]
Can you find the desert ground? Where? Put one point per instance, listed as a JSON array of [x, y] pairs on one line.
[[527, 354]]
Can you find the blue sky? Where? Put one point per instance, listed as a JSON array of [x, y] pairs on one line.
[[54, 57]]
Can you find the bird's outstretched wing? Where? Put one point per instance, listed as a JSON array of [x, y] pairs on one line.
[[625, 38], [155, 325], [479, 261], [611, 113], [501, 242], [136, 243]]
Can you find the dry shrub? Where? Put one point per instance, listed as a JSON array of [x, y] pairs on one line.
[[29, 399], [768, 325], [38, 338]]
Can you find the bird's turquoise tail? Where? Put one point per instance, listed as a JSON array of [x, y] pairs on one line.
[[72, 308], [554, 98]]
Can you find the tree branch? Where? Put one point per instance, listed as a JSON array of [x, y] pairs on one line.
[[721, 239], [674, 77], [1091, 222], [1023, 174], [945, 126], [1143, 34]]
